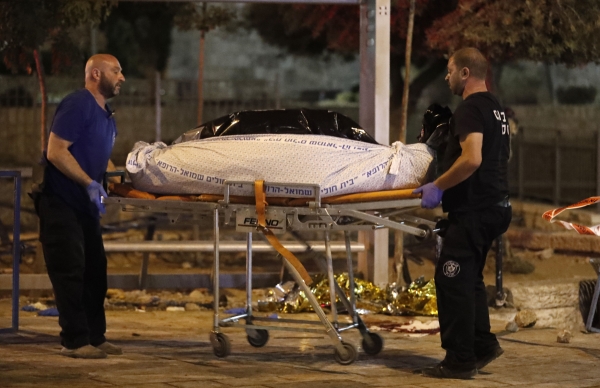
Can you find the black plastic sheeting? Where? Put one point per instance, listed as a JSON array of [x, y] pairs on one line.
[[280, 121], [436, 126]]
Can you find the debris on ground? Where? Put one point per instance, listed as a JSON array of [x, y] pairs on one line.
[[413, 327], [564, 336], [512, 326], [526, 318]]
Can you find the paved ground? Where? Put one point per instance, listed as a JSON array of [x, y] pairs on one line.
[[171, 349]]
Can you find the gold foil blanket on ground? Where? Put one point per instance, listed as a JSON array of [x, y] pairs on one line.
[[581, 229], [418, 299]]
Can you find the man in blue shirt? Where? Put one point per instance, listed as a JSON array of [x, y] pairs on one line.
[[80, 143]]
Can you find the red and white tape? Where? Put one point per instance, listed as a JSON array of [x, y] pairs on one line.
[[581, 229]]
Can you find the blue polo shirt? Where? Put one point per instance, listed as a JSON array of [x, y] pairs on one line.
[[92, 130]]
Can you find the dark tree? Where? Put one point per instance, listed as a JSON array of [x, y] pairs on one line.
[[139, 34], [550, 31], [26, 25]]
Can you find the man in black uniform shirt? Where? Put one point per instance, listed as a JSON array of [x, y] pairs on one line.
[[474, 191]]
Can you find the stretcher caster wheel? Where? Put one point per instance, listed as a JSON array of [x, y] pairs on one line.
[[349, 357], [374, 345], [221, 345], [257, 337]]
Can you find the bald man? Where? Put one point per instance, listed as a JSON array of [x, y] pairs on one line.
[[79, 147], [474, 191]]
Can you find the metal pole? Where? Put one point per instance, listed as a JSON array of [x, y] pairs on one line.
[[16, 250], [248, 275], [200, 112], [598, 167], [158, 106], [374, 115], [216, 272], [557, 168]]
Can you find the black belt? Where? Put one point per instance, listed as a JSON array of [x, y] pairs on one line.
[[504, 203]]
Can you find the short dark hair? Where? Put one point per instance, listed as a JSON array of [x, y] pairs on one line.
[[472, 59]]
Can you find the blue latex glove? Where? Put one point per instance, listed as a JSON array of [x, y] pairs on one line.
[[95, 191], [431, 195]]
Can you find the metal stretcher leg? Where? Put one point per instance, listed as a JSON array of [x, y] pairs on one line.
[[220, 342], [256, 337], [332, 282], [350, 267], [372, 343], [249, 275], [345, 353]]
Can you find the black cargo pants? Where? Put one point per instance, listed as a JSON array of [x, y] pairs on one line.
[[76, 264], [461, 297]]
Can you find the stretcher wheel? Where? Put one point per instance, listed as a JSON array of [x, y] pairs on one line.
[[350, 355], [260, 339], [221, 344], [374, 346]]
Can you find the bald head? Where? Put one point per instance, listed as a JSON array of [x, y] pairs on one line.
[[103, 75], [102, 62]]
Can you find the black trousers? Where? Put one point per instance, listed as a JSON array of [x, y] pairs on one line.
[[76, 264], [461, 298]]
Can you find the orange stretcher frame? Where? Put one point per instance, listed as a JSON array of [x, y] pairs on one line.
[[127, 191]]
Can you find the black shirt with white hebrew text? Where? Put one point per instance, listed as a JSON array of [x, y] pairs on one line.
[[479, 112]]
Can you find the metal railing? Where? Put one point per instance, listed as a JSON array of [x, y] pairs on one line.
[[16, 243], [555, 168]]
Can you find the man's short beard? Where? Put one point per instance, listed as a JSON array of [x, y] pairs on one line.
[[105, 88], [458, 89]]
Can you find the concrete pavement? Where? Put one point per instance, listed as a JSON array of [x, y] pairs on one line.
[[171, 349]]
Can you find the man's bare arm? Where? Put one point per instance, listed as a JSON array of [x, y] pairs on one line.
[[60, 156], [466, 164]]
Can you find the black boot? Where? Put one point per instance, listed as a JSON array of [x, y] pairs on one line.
[[489, 357], [450, 368]]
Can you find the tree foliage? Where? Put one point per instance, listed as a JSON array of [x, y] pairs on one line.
[[204, 17], [139, 35], [291, 27], [552, 31], [26, 25], [305, 29]]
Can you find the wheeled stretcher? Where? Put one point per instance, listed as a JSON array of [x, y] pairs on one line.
[[272, 216]]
